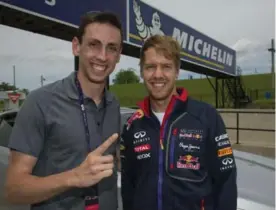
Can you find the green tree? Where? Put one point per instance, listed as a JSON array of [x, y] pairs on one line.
[[26, 91], [126, 76], [4, 86]]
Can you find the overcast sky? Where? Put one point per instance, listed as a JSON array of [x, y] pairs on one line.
[[244, 25]]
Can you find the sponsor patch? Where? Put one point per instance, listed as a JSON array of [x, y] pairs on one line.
[[188, 158], [122, 147], [190, 136], [143, 156], [193, 134], [227, 163], [137, 115], [142, 148], [225, 151], [175, 131], [189, 147], [137, 141], [223, 143], [140, 137], [193, 131], [188, 165], [188, 162], [140, 134], [221, 137]]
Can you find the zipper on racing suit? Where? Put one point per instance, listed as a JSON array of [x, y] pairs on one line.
[[162, 152], [160, 164]]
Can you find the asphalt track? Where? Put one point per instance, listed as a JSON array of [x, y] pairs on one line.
[[255, 181]]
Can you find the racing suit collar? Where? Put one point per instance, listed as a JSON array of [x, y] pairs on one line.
[[145, 103]]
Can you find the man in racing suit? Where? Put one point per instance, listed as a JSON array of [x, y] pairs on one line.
[[175, 152]]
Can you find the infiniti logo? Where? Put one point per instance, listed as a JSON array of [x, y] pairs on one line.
[[227, 161], [140, 134], [50, 2]]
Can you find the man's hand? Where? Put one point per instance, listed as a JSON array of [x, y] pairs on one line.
[[30, 189], [95, 167]]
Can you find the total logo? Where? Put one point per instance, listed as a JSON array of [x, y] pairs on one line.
[[142, 148], [143, 156]]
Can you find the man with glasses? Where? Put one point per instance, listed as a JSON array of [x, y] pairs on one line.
[[63, 142]]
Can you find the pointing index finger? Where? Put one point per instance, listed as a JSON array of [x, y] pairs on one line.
[[104, 146]]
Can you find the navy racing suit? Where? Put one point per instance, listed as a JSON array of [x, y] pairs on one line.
[[184, 163]]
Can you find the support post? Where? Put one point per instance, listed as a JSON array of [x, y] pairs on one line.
[[216, 90]]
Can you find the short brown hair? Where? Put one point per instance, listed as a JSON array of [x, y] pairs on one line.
[[98, 17], [164, 44]]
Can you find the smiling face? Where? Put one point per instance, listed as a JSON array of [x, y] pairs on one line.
[[99, 51], [160, 63], [159, 74]]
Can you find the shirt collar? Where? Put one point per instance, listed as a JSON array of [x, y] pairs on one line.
[[72, 91], [182, 96]]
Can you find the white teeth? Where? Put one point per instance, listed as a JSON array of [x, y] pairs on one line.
[[99, 67], [158, 84]]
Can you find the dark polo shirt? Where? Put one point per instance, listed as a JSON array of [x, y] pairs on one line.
[[50, 127]]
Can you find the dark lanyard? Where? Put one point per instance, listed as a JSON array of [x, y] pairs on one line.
[[84, 115], [83, 111], [91, 192]]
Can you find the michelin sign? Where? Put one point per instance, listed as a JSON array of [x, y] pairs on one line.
[[140, 21], [197, 48]]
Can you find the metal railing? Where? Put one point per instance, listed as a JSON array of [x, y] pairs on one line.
[[238, 128]]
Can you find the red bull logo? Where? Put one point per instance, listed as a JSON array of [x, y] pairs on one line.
[[137, 115], [188, 162], [175, 131], [185, 135], [190, 136], [188, 159], [197, 136], [188, 165]]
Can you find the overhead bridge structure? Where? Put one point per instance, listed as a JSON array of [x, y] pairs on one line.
[[200, 53]]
